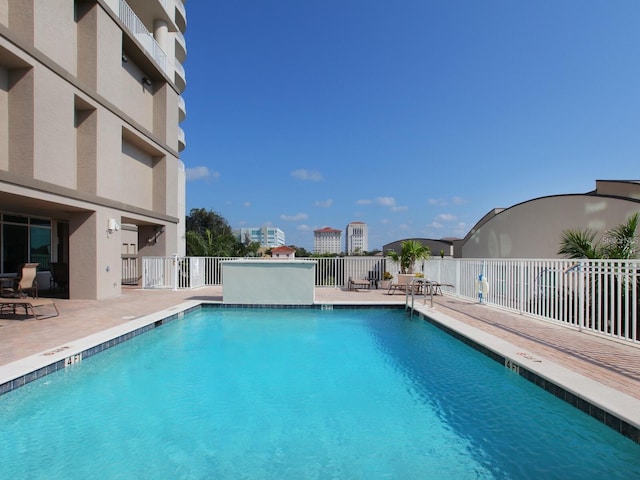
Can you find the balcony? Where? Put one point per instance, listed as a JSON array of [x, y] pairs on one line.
[[182, 143], [143, 36], [150, 10], [182, 109], [181, 15], [181, 46], [180, 77]]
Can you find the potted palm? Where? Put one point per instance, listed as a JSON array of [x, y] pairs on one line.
[[411, 252]]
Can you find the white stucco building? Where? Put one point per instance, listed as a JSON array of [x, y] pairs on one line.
[[327, 240], [356, 238], [265, 236]]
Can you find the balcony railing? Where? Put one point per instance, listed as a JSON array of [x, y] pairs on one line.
[[180, 76], [181, 46], [181, 15], [182, 142], [182, 109], [140, 32]]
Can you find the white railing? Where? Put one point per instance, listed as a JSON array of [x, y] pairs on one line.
[[600, 296], [191, 272], [140, 32], [597, 296]]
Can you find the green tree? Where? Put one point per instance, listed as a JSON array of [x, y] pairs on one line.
[[301, 251], [411, 251], [200, 220], [208, 234], [209, 245]]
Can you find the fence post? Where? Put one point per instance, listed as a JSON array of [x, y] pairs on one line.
[[174, 272], [581, 296], [520, 286]]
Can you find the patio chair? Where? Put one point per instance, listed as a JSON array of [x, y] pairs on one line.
[[25, 282], [357, 283]]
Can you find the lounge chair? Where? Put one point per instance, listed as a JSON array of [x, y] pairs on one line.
[[29, 304], [25, 282], [358, 283], [403, 284]]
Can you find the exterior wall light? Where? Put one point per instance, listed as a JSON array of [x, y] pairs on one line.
[[112, 225]]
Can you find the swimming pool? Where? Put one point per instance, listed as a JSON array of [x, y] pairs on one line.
[[267, 393]]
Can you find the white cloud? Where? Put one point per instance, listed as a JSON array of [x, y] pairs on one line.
[[246, 204], [386, 201], [197, 173], [304, 228], [303, 174], [459, 201], [363, 202], [446, 217], [294, 218], [435, 224], [400, 208], [324, 203], [460, 229], [384, 220]]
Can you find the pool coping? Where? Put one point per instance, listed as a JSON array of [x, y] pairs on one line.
[[615, 409]]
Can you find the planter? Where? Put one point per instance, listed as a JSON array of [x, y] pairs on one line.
[[385, 284], [404, 278]]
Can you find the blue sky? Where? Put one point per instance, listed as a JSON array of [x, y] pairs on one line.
[[416, 117]]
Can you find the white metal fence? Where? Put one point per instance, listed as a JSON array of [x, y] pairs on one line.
[[191, 272], [600, 296]]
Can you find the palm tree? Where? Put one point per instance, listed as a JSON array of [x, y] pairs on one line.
[[410, 252], [580, 244], [211, 245], [620, 242]]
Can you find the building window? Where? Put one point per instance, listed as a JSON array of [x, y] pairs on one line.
[[25, 240]]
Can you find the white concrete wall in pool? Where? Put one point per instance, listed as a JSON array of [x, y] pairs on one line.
[[275, 282]]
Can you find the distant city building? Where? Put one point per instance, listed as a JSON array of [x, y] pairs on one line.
[[327, 240], [265, 236], [357, 238], [283, 253]]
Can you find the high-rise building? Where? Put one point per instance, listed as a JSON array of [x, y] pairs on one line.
[[327, 240], [357, 238], [265, 236], [90, 105]]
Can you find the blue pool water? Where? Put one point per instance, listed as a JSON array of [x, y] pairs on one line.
[[299, 394]]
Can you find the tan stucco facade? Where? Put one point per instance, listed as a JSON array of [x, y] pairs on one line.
[[89, 130], [533, 229]]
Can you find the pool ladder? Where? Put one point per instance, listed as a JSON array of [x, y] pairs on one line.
[[416, 285]]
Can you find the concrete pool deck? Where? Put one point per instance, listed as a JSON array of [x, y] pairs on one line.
[[605, 370]]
